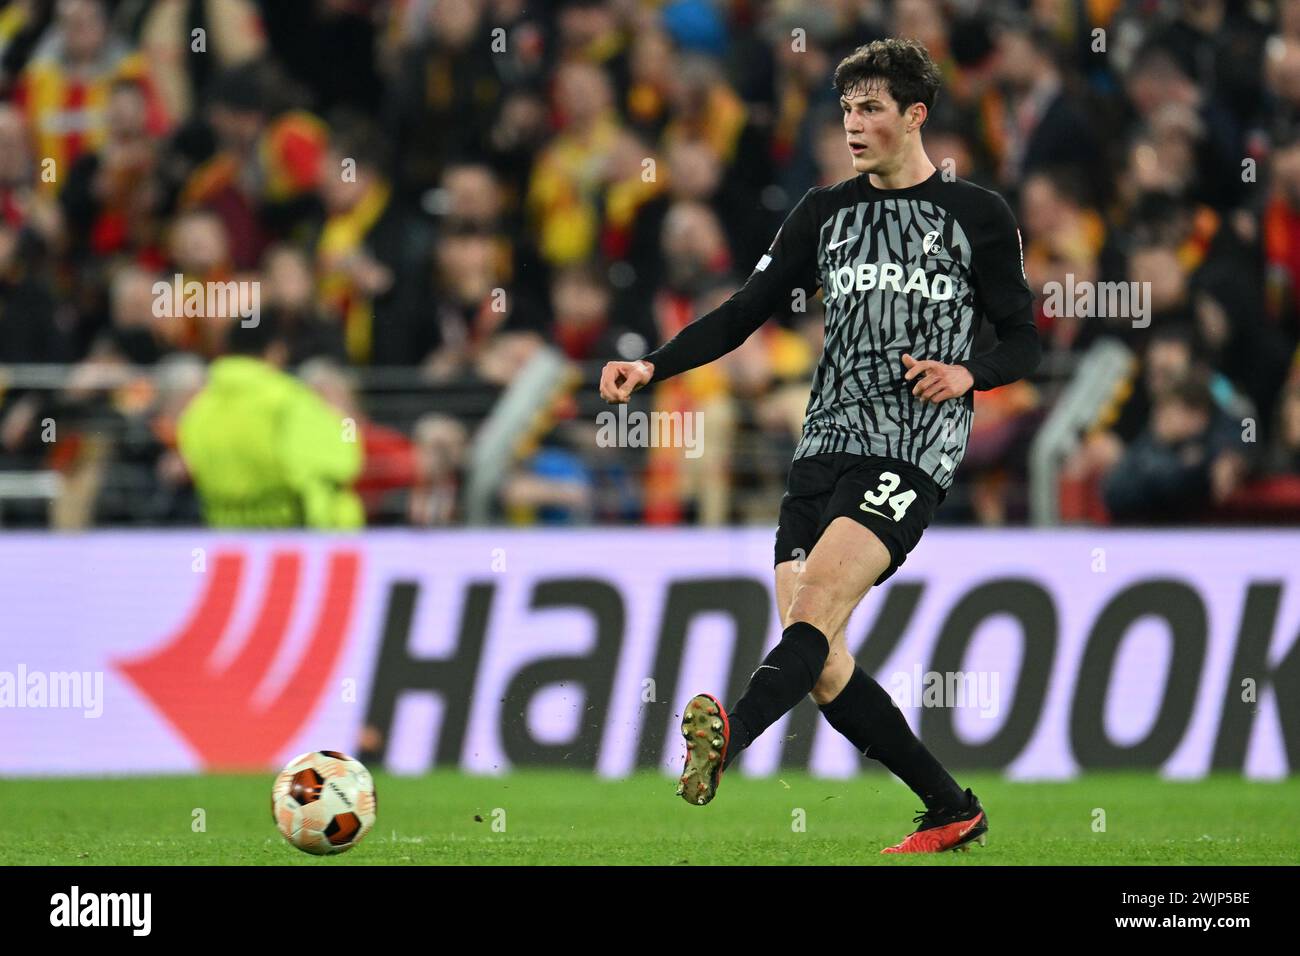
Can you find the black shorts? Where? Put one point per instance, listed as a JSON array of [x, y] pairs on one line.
[[893, 499]]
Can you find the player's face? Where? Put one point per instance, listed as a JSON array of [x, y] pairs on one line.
[[874, 128]]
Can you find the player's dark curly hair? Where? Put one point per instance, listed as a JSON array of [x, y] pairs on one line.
[[905, 66]]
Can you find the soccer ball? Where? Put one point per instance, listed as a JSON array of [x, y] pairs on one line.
[[323, 802]]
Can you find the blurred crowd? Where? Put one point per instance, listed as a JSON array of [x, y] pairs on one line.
[[447, 187]]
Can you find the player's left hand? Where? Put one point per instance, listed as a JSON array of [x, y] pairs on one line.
[[935, 381]]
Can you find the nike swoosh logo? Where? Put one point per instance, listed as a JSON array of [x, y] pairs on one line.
[[875, 512], [836, 245]]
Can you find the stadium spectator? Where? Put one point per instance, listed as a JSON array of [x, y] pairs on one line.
[[470, 195], [268, 163], [1219, 49], [1282, 69], [803, 101], [1188, 458], [571, 171], [441, 445], [113, 198], [580, 302], [145, 480], [1063, 241], [594, 32], [372, 257], [199, 249], [442, 99], [472, 304], [23, 206], [229, 36], [63, 89], [1281, 240], [651, 64], [708, 111], [1169, 362], [138, 334], [552, 487], [1284, 456], [390, 464], [330, 48], [21, 27], [29, 332], [517, 134], [289, 295], [1201, 135], [1040, 122]]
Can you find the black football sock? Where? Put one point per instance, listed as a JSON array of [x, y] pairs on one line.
[[865, 714], [786, 675]]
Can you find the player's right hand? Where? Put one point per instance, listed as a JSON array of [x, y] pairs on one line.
[[619, 380]]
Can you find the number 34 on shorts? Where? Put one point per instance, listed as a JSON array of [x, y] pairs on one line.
[[887, 495]]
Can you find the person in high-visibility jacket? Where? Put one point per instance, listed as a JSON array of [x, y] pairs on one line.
[[264, 450]]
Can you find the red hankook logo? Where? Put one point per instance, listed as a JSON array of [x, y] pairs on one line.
[[213, 709]]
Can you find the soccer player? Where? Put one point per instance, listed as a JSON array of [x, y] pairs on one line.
[[908, 260]]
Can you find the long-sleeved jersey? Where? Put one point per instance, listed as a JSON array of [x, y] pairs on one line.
[[901, 271]]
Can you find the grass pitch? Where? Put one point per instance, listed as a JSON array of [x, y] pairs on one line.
[[574, 818]]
